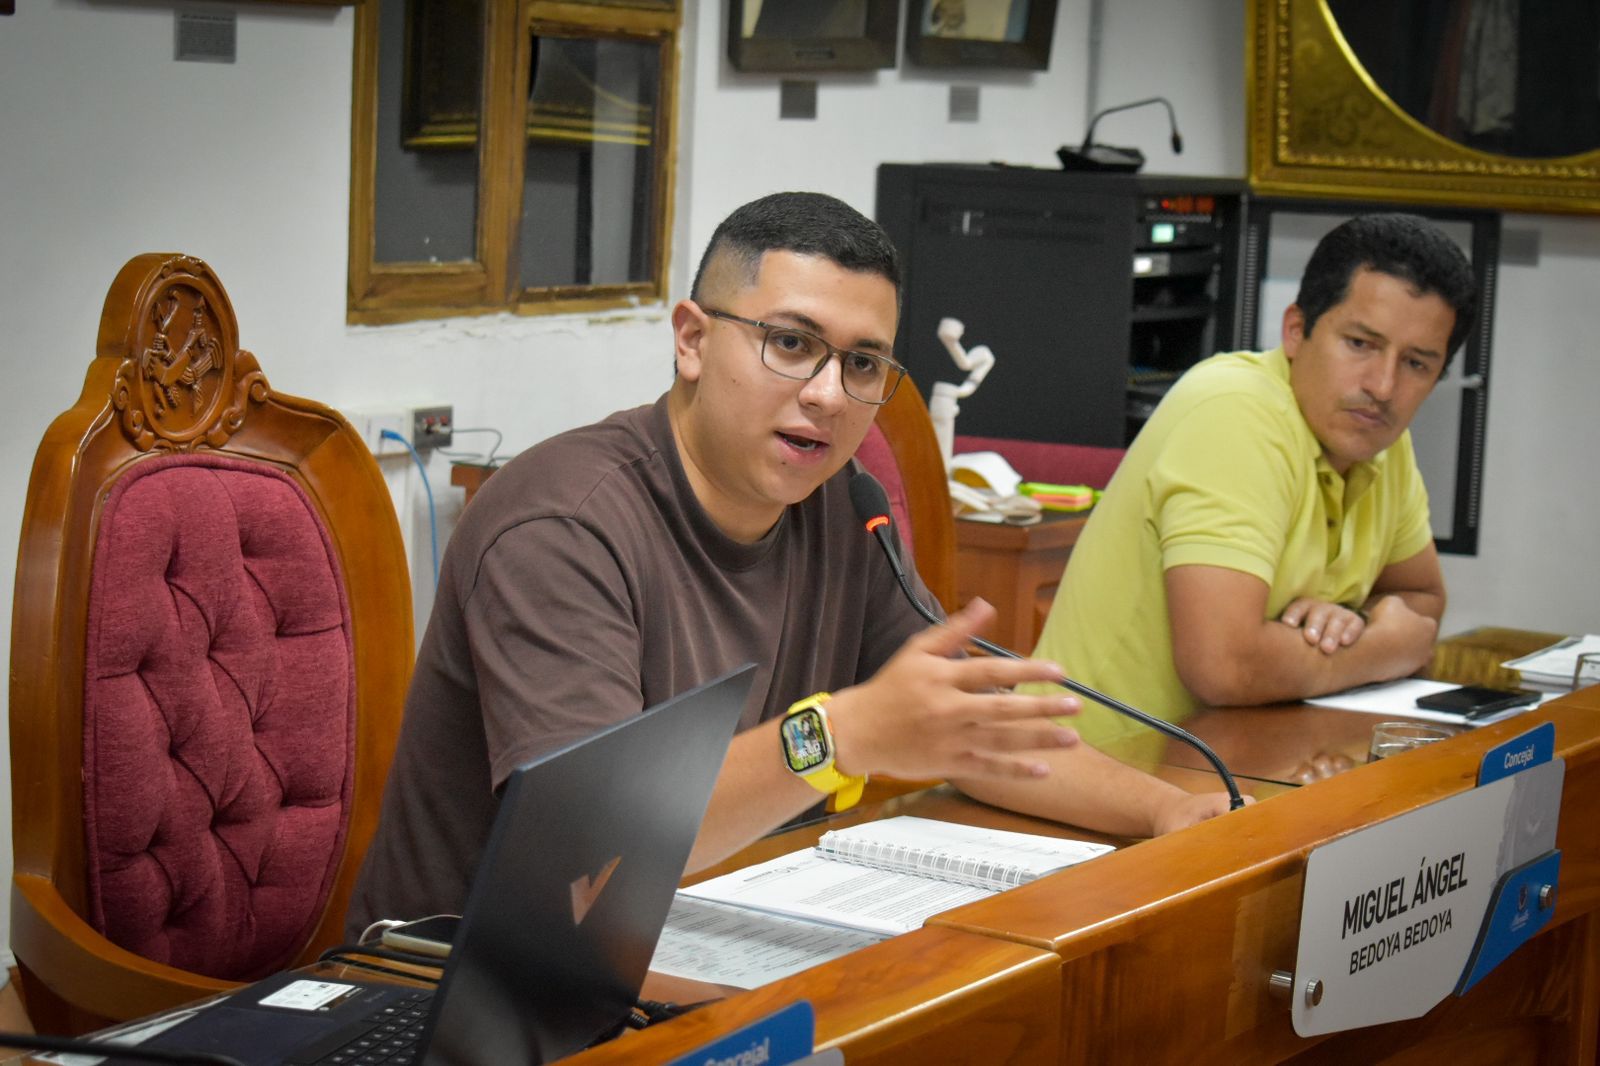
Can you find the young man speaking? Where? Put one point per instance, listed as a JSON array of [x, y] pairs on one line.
[[612, 567]]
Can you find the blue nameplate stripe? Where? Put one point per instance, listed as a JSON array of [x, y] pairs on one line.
[[1516, 912], [781, 1037], [1537, 745]]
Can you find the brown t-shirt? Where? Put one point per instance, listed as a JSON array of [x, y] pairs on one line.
[[584, 584]]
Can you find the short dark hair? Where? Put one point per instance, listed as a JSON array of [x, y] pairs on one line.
[[1407, 247], [807, 223]]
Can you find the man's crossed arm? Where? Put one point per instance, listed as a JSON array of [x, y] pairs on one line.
[[1228, 652]]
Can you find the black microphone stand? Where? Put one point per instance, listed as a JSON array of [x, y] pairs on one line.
[[1091, 156]]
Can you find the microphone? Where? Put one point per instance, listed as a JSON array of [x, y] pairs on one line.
[[1091, 156], [872, 507]]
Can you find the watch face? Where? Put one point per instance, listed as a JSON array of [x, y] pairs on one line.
[[805, 745]]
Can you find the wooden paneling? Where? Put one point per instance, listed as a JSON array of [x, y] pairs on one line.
[[930, 996]]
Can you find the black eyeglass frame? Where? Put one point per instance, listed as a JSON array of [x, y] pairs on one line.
[[829, 352]]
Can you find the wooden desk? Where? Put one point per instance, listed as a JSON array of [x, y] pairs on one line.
[[1166, 946], [1272, 743], [1016, 568], [930, 996]]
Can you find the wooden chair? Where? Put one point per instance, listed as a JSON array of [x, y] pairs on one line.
[[914, 476], [211, 641]]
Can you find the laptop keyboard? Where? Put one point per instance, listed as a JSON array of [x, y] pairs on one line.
[[391, 1035]]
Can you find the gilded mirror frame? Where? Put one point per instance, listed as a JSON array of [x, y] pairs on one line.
[[1320, 126]]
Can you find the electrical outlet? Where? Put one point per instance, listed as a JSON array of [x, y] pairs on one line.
[[371, 423], [431, 427]]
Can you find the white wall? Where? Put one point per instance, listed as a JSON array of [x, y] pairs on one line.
[[108, 149], [740, 149], [1536, 566], [1190, 53]]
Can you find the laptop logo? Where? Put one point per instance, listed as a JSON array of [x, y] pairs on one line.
[[586, 889]]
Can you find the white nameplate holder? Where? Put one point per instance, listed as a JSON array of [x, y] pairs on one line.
[[1399, 915]]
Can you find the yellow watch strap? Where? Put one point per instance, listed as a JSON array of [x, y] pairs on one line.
[[843, 790]]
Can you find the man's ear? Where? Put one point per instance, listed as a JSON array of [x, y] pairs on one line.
[[690, 326], [1294, 329]]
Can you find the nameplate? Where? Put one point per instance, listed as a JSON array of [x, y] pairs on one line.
[[1524, 902], [783, 1037], [1393, 913], [1533, 748]]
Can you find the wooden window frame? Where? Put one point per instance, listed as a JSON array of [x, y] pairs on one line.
[[402, 292]]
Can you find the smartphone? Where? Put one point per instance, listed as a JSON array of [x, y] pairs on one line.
[[426, 936], [1476, 701]]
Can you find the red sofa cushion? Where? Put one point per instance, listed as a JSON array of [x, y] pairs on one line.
[[218, 716]]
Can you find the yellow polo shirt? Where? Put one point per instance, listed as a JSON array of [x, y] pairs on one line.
[[1226, 473]]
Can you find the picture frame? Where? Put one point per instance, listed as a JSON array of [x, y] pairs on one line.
[[800, 36], [441, 83], [1321, 124], [981, 33]]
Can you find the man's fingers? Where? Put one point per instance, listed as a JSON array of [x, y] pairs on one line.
[[1341, 629], [1318, 617], [980, 708], [959, 628], [988, 671], [1325, 626], [1019, 736]]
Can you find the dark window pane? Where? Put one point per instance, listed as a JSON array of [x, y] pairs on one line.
[[430, 71], [587, 210]]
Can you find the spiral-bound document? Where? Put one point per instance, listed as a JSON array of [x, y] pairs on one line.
[[889, 876]]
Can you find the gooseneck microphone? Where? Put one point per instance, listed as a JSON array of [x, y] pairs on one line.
[[872, 507], [1091, 156], [1172, 121]]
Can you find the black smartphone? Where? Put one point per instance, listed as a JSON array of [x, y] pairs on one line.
[[426, 936], [1477, 701]]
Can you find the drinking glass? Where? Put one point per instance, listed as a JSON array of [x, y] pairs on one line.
[[1586, 670], [1392, 738]]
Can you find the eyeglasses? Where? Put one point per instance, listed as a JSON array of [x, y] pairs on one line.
[[800, 356]]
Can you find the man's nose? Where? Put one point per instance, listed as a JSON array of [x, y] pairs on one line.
[[1380, 377], [826, 388]]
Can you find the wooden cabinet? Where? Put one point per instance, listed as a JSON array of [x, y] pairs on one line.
[[1015, 568]]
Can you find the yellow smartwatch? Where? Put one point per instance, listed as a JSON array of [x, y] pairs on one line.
[[808, 751]]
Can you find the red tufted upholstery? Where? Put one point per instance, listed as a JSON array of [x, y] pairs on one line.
[[218, 716]]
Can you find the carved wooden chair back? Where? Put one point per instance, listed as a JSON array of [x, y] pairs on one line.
[[902, 451], [211, 641]]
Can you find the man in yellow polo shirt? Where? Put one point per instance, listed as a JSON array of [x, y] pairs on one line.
[[1266, 537]]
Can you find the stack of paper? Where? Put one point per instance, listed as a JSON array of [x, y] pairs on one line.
[[858, 885], [1551, 669]]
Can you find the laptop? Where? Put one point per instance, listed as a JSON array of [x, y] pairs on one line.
[[566, 906]]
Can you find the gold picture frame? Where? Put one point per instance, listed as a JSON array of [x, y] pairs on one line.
[[1321, 127]]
